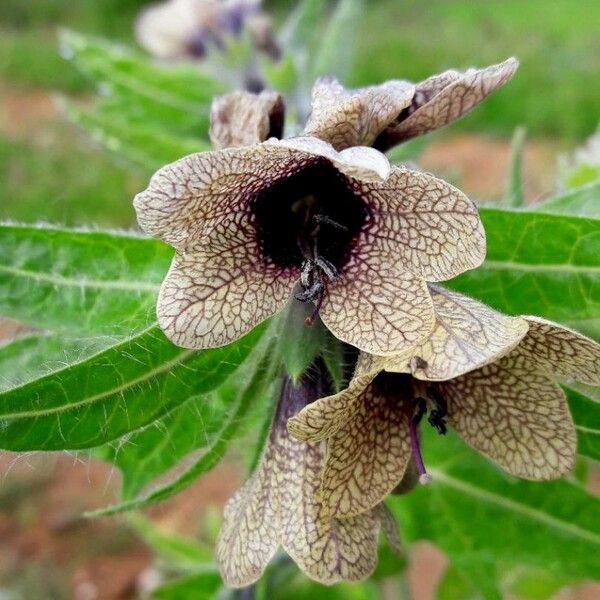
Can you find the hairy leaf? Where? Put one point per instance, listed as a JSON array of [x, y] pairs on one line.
[[147, 146], [116, 391], [84, 282], [541, 264], [583, 201], [229, 429], [472, 510], [34, 355], [176, 98], [584, 402], [149, 453]]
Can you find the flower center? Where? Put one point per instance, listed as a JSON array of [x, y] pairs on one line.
[[309, 221], [415, 399]]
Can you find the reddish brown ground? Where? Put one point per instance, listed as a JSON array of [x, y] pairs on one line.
[[48, 552]]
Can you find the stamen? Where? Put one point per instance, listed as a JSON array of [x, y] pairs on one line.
[[424, 476]]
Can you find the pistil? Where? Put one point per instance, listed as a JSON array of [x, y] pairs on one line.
[[424, 476]]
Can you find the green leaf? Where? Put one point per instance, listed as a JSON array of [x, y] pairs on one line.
[[301, 24], [82, 282], [299, 343], [230, 428], [454, 586], [541, 264], [583, 201], [536, 584], [584, 402], [514, 193], [335, 53], [176, 97], [178, 552], [146, 146], [116, 391], [202, 586], [476, 513], [150, 452], [33, 355]]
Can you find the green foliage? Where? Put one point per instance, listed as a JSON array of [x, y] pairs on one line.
[[151, 114], [584, 402], [118, 390], [515, 196], [230, 428], [482, 517], [80, 282], [583, 201], [541, 264], [553, 93]]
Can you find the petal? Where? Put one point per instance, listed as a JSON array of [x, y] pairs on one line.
[[367, 456], [516, 415], [377, 308], [210, 186], [347, 118], [183, 195], [360, 162], [444, 98], [561, 351], [212, 297], [328, 550], [249, 536], [164, 29], [467, 335], [283, 491], [242, 118], [424, 222], [322, 418]]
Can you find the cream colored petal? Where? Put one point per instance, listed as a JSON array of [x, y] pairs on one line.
[[322, 418], [561, 351], [347, 118], [214, 296], [516, 415], [328, 550], [367, 456], [210, 186], [242, 118], [467, 335], [360, 162], [444, 98], [185, 194], [376, 307], [424, 222], [249, 536], [283, 491], [164, 29]]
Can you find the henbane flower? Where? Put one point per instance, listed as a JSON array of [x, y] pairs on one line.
[[178, 29], [363, 238], [277, 506], [388, 114], [488, 376]]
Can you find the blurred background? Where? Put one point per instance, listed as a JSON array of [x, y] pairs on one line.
[[52, 171]]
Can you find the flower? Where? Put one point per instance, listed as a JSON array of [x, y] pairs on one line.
[[388, 114], [277, 506], [361, 237], [242, 118], [489, 376], [178, 29]]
